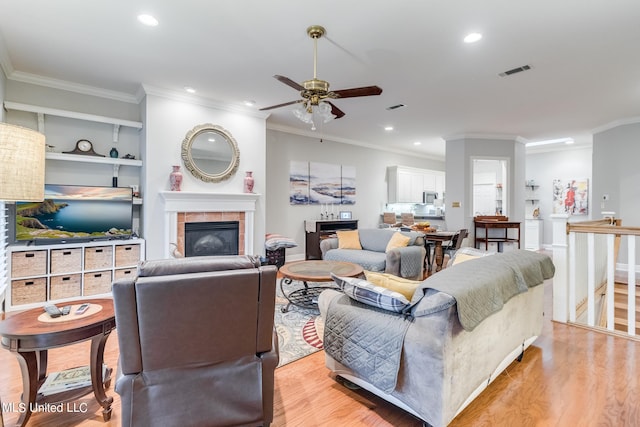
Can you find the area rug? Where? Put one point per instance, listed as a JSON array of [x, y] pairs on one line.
[[300, 330]]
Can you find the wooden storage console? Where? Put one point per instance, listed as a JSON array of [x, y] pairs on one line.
[[57, 273], [316, 231]]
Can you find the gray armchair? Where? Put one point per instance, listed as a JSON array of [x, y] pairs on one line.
[[197, 342]]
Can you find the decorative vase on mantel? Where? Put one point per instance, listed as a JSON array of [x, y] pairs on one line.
[[175, 178], [248, 182]]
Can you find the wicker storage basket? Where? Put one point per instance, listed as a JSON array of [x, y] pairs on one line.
[[28, 263], [28, 291], [98, 257], [98, 282], [66, 260], [66, 286], [125, 273], [127, 255]]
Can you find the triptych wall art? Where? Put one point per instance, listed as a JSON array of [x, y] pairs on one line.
[[313, 183], [571, 196]]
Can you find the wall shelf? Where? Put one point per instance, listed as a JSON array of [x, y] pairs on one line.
[[92, 159], [42, 111]]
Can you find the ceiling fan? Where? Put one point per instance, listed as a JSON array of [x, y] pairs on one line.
[[316, 93]]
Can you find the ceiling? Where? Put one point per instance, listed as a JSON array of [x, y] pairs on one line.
[[584, 58]]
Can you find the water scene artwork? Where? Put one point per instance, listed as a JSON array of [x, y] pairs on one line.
[[69, 212], [316, 183]]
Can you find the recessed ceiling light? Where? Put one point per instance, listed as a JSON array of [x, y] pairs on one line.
[[148, 20], [189, 89], [417, 143], [249, 103], [472, 37], [388, 128]]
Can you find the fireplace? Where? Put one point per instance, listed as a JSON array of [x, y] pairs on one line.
[[182, 207], [211, 238]]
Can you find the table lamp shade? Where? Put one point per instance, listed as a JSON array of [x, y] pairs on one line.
[[22, 153]]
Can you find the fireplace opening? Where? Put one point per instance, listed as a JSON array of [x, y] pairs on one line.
[[211, 238]]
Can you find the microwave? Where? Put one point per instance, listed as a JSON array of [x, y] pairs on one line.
[[429, 197]]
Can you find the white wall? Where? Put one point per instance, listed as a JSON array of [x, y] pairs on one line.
[[543, 168], [371, 181], [166, 123], [460, 152]]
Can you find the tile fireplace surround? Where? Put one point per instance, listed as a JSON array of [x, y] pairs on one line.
[[184, 206]]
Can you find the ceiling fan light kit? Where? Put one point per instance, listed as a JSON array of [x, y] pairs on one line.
[[315, 106]]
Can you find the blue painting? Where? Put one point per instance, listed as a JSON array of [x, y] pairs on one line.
[[299, 183], [315, 183]]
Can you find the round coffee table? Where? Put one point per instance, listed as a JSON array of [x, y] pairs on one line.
[[313, 271], [28, 335]]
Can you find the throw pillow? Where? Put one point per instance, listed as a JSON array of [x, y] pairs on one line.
[[465, 254], [276, 241], [348, 239], [398, 240], [394, 283], [370, 294]]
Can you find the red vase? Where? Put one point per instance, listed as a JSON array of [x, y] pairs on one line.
[[175, 178], [248, 182]]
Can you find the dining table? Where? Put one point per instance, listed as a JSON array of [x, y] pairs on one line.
[[436, 238]]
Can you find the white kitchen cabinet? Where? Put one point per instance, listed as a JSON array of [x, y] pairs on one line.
[[406, 185], [533, 234]]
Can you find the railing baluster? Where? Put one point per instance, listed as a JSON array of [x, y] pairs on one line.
[[572, 277], [611, 280], [591, 279], [631, 286]]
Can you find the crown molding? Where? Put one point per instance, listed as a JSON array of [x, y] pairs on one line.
[[196, 100], [615, 124], [501, 137], [20, 76], [324, 137]]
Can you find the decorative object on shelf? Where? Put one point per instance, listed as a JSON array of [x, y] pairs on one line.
[[129, 156], [536, 213], [248, 182], [113, 153], [175, 178], [85, 147]]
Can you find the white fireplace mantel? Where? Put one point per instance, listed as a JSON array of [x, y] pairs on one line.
[[189, 201]]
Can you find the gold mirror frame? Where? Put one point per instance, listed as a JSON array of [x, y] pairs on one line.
[[191, 164]]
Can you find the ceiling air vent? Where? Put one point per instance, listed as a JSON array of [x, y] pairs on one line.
[[395, 107], [515, 70]]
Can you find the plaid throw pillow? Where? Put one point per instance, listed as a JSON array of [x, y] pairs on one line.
[[370, 294]]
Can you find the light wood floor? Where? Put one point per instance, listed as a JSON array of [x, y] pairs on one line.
[[569, 377]]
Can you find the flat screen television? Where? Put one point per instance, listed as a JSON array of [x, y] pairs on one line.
[[76, 213]]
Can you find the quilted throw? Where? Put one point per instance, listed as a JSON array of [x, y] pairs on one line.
[[366, 339], [482, 286]]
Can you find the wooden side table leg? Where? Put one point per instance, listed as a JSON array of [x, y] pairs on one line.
[[43, 359], [28, 362], [97, 381]]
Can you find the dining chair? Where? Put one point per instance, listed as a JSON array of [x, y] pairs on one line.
[[455, 243], [388, 219], [407, 218]]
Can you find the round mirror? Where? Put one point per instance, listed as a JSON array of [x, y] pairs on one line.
[[210, 153]]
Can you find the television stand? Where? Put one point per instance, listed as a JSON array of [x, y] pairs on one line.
[[54, 274]]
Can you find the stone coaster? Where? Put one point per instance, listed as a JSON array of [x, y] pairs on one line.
[[93, 309]]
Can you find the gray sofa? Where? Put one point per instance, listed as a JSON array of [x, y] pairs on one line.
[[462, 328], [407, 262]]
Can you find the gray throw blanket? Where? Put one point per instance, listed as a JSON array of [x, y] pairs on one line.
[[482, 286], [368, 340]]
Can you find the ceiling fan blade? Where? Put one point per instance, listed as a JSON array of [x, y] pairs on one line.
[[282, 105], [289, 82], [335, 110], [358, 91]]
